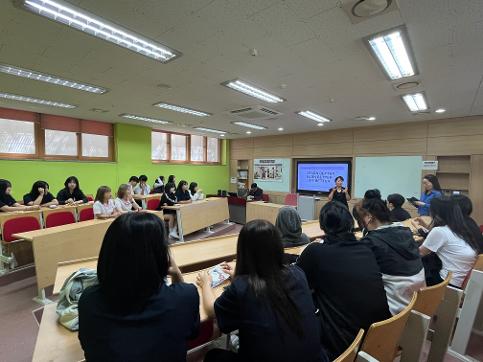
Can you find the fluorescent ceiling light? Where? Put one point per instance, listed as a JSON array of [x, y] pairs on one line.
[[320, 124], [44, 102], [280, 129], [86, 22], [173, 107], [252, 91], [211, 130], [248, 132], [440, 110], [48, 78], [393, 53], [142, 118], [249, 125], [415, 102], [314, 116]]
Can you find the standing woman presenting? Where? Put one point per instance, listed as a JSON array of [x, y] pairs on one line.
[[432, 189], [339, 193]]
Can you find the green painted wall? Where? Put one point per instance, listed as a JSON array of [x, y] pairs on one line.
[[133, 148]]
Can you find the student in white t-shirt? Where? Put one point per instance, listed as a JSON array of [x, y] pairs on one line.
[[453, 241], [142, 187], [195, 192], [104, 207], [124, 201]]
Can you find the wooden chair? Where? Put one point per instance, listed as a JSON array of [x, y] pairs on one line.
[[62, 217], [477, 266], [350, 354], [429, 298], [382, 338]]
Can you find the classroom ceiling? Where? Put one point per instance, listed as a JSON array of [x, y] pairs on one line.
[[309, 52]]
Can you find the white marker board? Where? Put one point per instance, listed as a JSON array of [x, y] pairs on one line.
[[389, 174]]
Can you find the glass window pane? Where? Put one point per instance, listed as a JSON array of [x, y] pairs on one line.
[[178, 147], [197, 148], [213, 150], [159, 146], [94, 145], [60, 143], [17, 136]]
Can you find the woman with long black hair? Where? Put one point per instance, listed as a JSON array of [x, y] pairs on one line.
[[40, 195], [432, 190], [71, 193], [452, 240], [7, 202], [268, 302]]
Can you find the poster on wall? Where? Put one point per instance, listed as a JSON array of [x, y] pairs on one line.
[[268, 170]]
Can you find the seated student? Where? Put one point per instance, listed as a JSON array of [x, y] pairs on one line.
[[346, 280], [7, 202], [268, 302], [395, 203], [466, 206], [453, 240], [133, 182], [40, 195], [172, 179], [124, 201], [396, 253], [169, 199], [289, 224], [136, 316], [182, 194], [158, 187], [104, 207], [71, 193], [255, 193], [195, 192], [372, 194], [142, 188]]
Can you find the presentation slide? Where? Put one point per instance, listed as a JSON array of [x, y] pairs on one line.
[[320, 176]]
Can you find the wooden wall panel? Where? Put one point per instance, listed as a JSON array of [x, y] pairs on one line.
[[241, 143], [315, 138], [455, 145], [392, 132], [271, 141], [456, 127], [323, 150], [241, 153], [476, 187], [391, 147], [280, 151]]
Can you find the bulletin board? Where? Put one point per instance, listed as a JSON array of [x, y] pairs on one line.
[[272, 174]]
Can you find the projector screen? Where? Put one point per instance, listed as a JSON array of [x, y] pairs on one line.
[[319, 176]]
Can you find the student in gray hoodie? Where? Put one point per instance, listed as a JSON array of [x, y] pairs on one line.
[[396, 253]]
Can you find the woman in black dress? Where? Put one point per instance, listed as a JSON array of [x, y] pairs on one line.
[[339, 193]]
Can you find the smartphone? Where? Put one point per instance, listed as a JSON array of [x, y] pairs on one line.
[[218, 276]]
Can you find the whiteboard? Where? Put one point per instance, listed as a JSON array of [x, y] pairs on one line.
[[389, 174]]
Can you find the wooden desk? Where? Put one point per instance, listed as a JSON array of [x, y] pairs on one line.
[[200, 214], [262, 210]]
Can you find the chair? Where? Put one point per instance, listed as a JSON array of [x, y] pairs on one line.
[[153, 204], [382, 338], [349, 355], [59, 218], [481, 229], [477, 266], [90, 198], [290, 200], [19, 225], [265, 197], [429, 298], [205, 335], [86, 214]]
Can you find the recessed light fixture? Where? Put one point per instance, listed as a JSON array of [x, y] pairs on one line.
[[440, 110], [314, 116], [365, 118], [248, 132], [143, 118], [320, 125], [367, 8], [175, 108], [91, 24], [48, 78], [211, 130], [222, 135], [248, 89], [44, 102], [280, 129], [371, 118], [416, 102], [393, 52], [250, 125], [407, 85]]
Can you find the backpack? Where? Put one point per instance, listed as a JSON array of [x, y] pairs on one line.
[[67, 306]]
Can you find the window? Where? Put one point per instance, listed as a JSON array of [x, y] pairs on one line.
[[197, 148], [213, 149], [94, 145], [17, 137], [178, 147], [159, 146], [60, 143]]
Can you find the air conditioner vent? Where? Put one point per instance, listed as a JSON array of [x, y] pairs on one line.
[[255, 113]]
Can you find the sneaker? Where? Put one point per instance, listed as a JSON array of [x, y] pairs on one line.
[[174, 235]]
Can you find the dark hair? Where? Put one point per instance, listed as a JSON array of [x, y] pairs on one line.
[[143, 178], [181, 184], [378, 209], [101, 191], [137, 240], [192, 187], [434, 180], [171, 178], [372, 194], [464, 203], [169, 186], [358, 212], [335, 219], [69, 180], [446, 212], [4, 185], [339, 178], [260, 258], [133, 178], [161, 178], [34, 193], [396, 199], [121, 191], [253, 185]]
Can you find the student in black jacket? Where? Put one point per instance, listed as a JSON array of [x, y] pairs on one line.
[[255, 192], [40, 195], [395, 203], [346, 280], [71, 193], [182, 193], [169, 199]]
